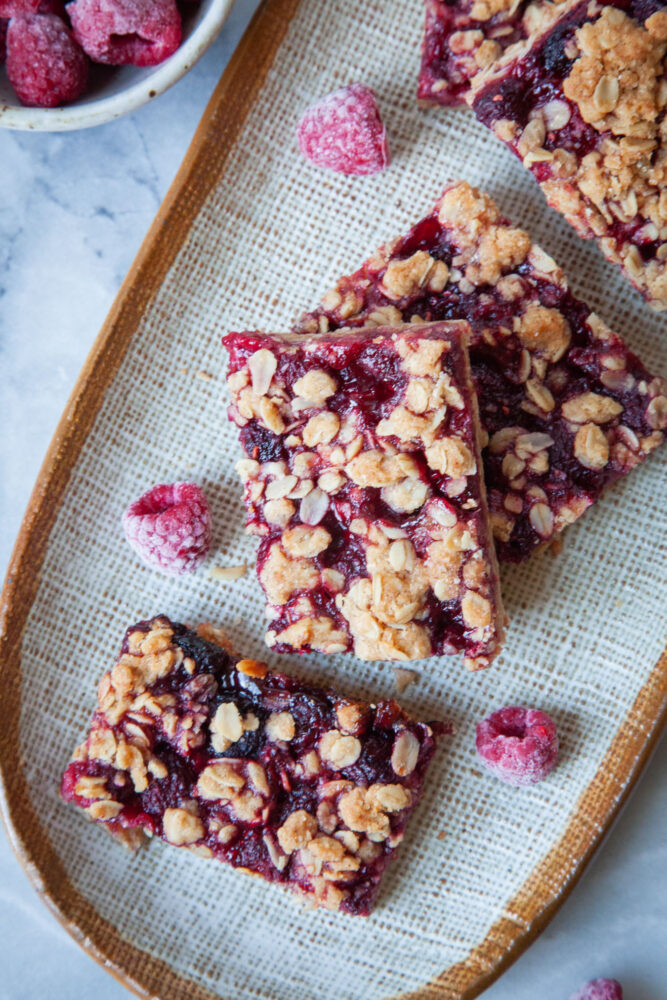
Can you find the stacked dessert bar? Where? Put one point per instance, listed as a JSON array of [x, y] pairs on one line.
[[566, 408]]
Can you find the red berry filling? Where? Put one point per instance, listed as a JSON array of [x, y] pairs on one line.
[[344, 132], [295, 783], [457, 46], [169, 527], [518, 745]]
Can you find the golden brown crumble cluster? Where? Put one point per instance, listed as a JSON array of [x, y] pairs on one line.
[[483, 10], [617, 77], [381, 612], [539, 12], [618, 83], [350, 824]]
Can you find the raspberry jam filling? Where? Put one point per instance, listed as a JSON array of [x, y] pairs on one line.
[[169, 765], [446, 74], [537, 78]]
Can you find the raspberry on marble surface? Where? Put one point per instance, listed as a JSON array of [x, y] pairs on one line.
[[567, 407], [344, 132], [122, 32], [518, 745], [169, 527], [45, 65], [599, 989], [363, 481], [295, 783]]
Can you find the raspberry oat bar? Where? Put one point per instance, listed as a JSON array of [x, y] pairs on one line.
[[285, 780], [583, 104], [363, 480], [568, 409], [461, 39]]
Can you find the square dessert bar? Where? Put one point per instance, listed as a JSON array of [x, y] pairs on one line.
[[285, 780], [567, 408], [583, 104], [363, 480], [462, 39]]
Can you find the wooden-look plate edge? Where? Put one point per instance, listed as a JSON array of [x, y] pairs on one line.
[[552, 880]]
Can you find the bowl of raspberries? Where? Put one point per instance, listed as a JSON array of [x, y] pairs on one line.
[[70, 65]]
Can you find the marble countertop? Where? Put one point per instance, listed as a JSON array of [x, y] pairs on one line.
[[73, 211]]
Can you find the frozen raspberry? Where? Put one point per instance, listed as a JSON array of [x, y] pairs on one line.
[[169, 527], [344, 132], [121, 32], [22, 8], [519, 745], [3, 39], [45, 65], [599, 989], [18, 8]]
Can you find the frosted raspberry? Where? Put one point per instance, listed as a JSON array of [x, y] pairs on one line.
[[17, 8], [3, 39], [599, 989], [45, 65], [22, 8], [121, 32], [169, 527], [344, 132], [519, 745]]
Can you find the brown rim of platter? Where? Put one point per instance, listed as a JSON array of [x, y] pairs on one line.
[[551, 881]]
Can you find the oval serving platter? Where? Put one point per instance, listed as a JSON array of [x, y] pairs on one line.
[[248, 237]]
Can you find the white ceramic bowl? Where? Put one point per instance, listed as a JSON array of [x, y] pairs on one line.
[[121, 88]]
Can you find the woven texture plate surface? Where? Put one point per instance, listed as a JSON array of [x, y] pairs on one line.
[[249, 236]]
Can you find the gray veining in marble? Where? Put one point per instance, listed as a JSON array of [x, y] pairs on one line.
[[74, 208]]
